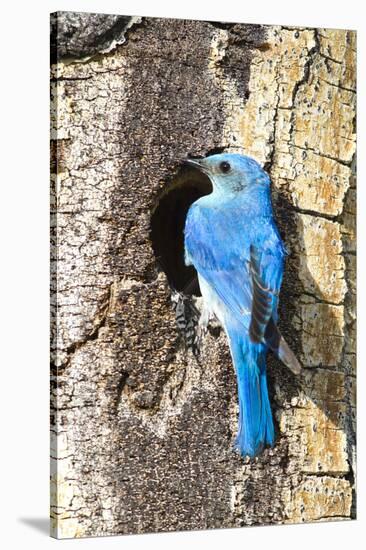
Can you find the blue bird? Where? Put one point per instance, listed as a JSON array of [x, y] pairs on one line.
[[231, 239]]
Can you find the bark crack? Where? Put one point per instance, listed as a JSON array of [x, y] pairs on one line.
[[101, 317]]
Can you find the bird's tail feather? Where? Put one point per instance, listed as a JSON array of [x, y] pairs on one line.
[[255, 416]]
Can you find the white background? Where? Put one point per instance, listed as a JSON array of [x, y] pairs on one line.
[[24, 252]]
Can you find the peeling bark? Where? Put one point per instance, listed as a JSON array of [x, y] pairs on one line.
[[142, 431]]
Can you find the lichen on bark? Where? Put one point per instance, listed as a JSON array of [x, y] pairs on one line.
[[142, 432]]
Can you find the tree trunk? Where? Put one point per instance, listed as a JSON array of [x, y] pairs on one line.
[[142, 428]]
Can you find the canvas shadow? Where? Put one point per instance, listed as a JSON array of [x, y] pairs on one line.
[[42, 525]]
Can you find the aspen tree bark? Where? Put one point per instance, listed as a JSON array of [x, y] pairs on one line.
[[142, 431]]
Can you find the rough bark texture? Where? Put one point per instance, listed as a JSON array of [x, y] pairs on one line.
[[142, 431]]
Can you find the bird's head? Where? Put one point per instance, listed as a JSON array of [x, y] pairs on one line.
[[231, 173]]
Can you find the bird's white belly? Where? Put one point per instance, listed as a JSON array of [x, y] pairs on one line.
[[212, 303]]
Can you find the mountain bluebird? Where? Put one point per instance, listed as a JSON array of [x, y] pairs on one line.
[[230, 237]]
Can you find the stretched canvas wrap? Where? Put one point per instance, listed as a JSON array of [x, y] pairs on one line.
[[203, 202]]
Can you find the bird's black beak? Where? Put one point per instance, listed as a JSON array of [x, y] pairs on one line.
[[199, 164]]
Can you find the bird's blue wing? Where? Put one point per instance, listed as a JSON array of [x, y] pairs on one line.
[[266, 266], [243, 267]]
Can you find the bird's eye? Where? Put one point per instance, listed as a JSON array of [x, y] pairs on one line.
[[225, 167]]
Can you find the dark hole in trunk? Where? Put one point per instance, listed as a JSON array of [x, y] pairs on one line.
[[167, 228]]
